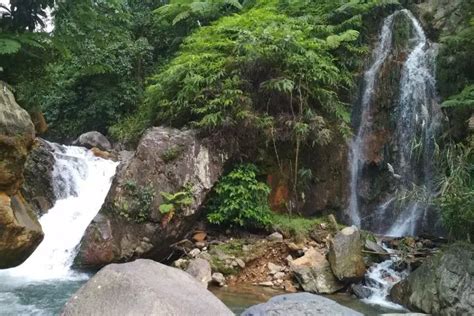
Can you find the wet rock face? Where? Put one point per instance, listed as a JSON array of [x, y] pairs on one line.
[[439, 16], [143, 287], [345, 255], [38, 186], [130, 224], [20, 232], [443, 285]]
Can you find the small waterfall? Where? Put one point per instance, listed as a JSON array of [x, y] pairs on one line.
[[410, 135], [81, 183], [380, 279]]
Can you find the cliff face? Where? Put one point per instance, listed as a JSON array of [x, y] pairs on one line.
[[20, 232]]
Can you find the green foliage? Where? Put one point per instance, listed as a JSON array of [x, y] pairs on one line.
[[296, 226], [240, 200], [199, 12], [136, 204], [172, 153], [173, 202], [456, 197], [463, 99]]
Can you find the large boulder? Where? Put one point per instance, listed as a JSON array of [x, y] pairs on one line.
[[168, 162], [20, 232], [143, 287], [442, 285], [38, 187], [345, 255], [314, 273], [300, 304], [93, 139]]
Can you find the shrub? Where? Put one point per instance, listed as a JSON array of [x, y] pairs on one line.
[[456, 198], [241, 200]]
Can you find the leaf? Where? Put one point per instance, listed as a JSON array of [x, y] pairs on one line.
[[166, 208], [9, 46]]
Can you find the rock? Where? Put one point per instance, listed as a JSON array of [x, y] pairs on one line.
[[361, 291], [345, 255], [199, 236], [300, 304], [200, 269], [275, 237], [266, 283], [218, 278], [373, 246], [201, 244], [93, 139], [289, 287], [143, 287], [442, 285], [39, 122], [166, 160], [274, 268], [279, 275], [20, 231], [181, 263], [294, 247], [314, 273], [240, 263], [38, 188], [101, 153], [194, 253]]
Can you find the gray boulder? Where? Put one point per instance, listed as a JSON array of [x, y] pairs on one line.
[[314, 273], [345, 255], [130, 224], [143, 287], [200, 269], [300, 304], [442, 285], [93, 139]]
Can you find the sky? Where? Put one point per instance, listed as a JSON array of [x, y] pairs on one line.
[[49, 24]]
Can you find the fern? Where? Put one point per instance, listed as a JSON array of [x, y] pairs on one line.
[[9, 46]]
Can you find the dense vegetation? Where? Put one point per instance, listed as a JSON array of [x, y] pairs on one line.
[[275, 76]]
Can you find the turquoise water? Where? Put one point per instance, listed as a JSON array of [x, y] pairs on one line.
[[40, 298]]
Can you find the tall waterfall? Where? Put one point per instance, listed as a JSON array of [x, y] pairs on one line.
[[81, 183], [406, 156]]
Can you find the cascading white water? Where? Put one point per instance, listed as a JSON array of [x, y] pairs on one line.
[[414, 134], [417, 125], [81, 183], [380, 279], [379, 56]]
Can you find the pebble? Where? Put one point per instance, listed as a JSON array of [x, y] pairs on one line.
[[218, 278], [274, 268], [267, 283], [193, 253], [240, 262], [279, 275]]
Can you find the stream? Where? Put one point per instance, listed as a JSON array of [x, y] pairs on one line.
[[45, 281]]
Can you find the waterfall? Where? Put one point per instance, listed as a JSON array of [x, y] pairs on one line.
[[379, 55], [81, 183], [407, 155]]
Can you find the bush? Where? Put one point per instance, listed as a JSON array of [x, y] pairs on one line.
[[456, 198], [241, 200]]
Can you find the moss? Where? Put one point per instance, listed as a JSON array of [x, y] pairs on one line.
[[172, 153], [295, 226]]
